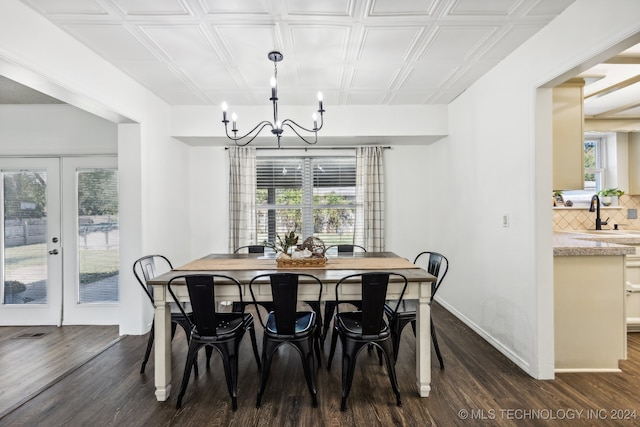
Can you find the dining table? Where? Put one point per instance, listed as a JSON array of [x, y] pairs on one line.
[[244, 267]]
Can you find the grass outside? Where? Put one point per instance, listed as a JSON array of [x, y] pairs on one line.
[[94, 264]]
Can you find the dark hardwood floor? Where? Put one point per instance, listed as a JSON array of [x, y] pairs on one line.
[[479, 386]]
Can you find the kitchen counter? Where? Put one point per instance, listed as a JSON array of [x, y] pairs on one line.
[[589, 292], [595, 242]]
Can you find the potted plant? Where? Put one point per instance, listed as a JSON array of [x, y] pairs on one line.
[[609, 196], [284, 245]]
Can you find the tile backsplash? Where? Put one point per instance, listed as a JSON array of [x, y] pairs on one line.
[[581, 219]]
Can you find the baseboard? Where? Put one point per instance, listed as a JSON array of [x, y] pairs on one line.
[[521, 363]]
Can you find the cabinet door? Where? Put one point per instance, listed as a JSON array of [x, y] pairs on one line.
[[634, 163], [568, 136]]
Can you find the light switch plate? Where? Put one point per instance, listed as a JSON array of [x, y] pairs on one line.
[[632, 214]]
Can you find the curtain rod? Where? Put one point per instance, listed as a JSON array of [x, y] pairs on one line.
[[311, 148]]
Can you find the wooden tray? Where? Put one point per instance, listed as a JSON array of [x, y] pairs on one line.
[[302, 262]]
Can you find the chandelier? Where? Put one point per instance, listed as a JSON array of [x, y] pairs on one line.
[[277, 126]]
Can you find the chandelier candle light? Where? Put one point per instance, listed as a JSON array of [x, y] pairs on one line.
[[277, 125]]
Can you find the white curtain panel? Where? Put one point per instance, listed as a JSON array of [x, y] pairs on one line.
[[369, 221], [242, 197]]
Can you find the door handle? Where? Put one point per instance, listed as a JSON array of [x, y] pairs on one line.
[[53, 252]]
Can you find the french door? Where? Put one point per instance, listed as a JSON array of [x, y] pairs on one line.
[[59, 241]]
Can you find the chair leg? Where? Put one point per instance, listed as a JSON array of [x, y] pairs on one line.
[[209, 352], [397, 326], [329, 308], [334, 340], [388, 353], [268, 348], [350, 351], [254, 344], [147, 353], [230, 364], [434, 339], [305, 348], [191, 357]]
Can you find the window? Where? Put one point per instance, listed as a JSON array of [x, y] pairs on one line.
[[594, 171], [314, 194], [593, 164]]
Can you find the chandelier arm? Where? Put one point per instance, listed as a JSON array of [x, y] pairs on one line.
[[287, 121], [300, 136], [260, 125]]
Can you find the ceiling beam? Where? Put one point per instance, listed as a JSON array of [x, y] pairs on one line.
[[615, 87]]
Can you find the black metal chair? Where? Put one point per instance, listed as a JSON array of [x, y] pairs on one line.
[[252, 249], [213, 329], [285, 324], [400, 314], [365, 327], [347, 248], [145, 269], [330, 306]]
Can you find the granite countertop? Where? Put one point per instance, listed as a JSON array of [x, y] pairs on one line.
[[595, 243]]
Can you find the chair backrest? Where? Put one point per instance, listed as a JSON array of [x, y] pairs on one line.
[[145, 269], [437, 265], [374, 286], [284, 292], [201, 288], [252, 249], [348, 248]]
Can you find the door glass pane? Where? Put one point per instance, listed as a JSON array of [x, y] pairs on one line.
[[98, 235], [25, 235]]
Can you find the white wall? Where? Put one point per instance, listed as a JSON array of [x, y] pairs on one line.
[[497, 161], [55, 129]]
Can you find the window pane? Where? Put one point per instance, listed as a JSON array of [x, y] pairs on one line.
[[272, 221], [98, 235], [316, 194], [25, 235]]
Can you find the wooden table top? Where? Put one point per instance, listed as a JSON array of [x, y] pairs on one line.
[[244, 267]]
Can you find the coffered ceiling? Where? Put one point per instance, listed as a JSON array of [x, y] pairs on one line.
[[357, 52]]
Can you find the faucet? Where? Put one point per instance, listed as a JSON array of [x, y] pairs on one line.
[[599, 222]]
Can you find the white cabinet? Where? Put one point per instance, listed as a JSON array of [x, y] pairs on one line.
[[634, 163], [632, 303], [568, 136], [589, 317]]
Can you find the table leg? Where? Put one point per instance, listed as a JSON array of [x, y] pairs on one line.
[[162, 344], [423, 342]]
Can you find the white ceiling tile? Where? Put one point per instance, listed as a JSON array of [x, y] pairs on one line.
[[177, 97], [209, 76], [484, 7], [320, 8], [241, 7], [112, 41], [456, 42], [319, 77], [372, 78], [401, 7], [549, 7], [508, 41], [410, 97], [428, 75], [67, 7], [153, 74], [309, 40], [391, 45], [365, 98], [247, 43], [147, 8], [181, 43]]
